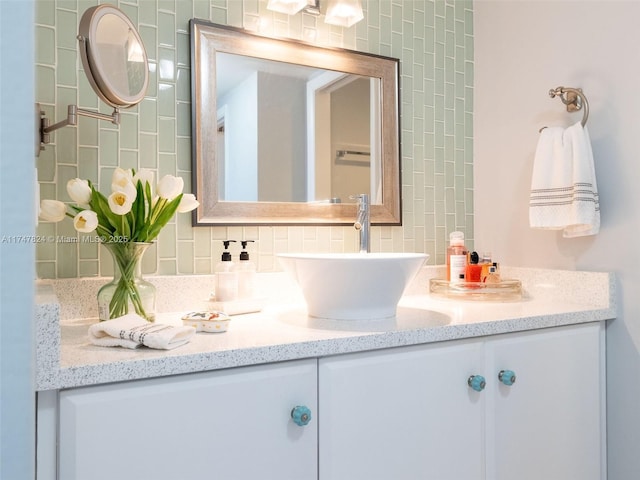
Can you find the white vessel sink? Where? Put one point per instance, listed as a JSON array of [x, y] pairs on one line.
[[352, 286]]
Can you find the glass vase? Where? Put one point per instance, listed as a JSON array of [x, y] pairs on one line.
[[128, 292]]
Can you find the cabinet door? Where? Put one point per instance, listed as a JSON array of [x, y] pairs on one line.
[[230, 424], [405, 413], [549, 423]]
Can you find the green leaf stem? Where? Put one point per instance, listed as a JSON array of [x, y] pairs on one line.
[[127, 256]]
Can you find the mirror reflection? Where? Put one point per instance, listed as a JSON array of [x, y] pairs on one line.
[[121, 55], [285, 132], [292, 133]]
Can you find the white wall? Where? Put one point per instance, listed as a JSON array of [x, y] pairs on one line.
[[265, 160], [17, 251], [241, 141], [350, 128], [523, 49], [282, 137]]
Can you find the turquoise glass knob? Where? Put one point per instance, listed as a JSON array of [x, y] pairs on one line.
[[477, 382], [507, 377], [301, 415]]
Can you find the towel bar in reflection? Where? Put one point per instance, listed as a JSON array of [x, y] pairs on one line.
[[574, 99], [352, 157]]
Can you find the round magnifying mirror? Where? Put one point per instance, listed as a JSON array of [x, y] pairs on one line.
[[113, 56]]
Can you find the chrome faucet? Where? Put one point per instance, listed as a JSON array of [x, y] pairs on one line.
[[363, 222]]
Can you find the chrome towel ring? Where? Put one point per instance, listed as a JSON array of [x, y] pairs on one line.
[[574, 99]]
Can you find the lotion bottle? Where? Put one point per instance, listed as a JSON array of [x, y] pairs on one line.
[[226, 276], [246, 270], [456, 258]]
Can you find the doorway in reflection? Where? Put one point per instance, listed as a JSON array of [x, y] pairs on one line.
[[289, 133]]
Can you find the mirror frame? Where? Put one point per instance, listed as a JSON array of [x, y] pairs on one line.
[[96, 73], [208, 38]]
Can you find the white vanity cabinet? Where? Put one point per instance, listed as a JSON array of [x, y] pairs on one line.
[[409, 413], [228, 424], [401, 413], [551, 422]]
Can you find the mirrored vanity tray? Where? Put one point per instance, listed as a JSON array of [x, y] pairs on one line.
[[503, 290]]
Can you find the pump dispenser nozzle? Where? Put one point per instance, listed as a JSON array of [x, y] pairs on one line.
[[244, 255], [226, 255]]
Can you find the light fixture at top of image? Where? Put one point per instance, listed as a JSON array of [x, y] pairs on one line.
[[290, 7], [344, 13]]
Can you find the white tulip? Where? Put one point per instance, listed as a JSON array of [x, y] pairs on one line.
[[129, 189], [86, 221], [169, 187], [122, 181], [120, 203], [144, 175], [79, 191], [121, 177], [52, 210], [188, 202]]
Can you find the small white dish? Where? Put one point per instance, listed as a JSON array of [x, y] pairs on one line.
[[207, 321]]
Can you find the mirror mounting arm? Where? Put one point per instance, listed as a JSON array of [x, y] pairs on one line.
[[72, 119], [102, 25]]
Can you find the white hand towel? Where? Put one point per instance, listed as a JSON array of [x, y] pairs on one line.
[[564, 194], [131, 331]]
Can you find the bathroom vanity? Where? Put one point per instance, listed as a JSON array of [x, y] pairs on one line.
[[446, 390]]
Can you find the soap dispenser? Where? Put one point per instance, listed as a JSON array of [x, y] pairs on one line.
[[226, 276], [246, 270]]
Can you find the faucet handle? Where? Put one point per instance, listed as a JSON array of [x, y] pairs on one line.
[[362, 220]]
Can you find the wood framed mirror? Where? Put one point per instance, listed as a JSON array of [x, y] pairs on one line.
[[284, 132]]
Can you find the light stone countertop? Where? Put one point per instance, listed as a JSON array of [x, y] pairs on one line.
[[283, 331]]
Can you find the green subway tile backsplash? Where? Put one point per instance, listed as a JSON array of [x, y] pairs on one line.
[[129, 131], [166, 100], [128, 159], [148, 34], [166, 64], [167, 133], [88, 162], [148, 115], [432, 39], [45, 36], [148, 13], [183, 85], [66, 21], [148, 151]]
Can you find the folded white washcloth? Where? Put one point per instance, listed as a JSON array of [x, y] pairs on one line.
[[131, 331], [564, 194]]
